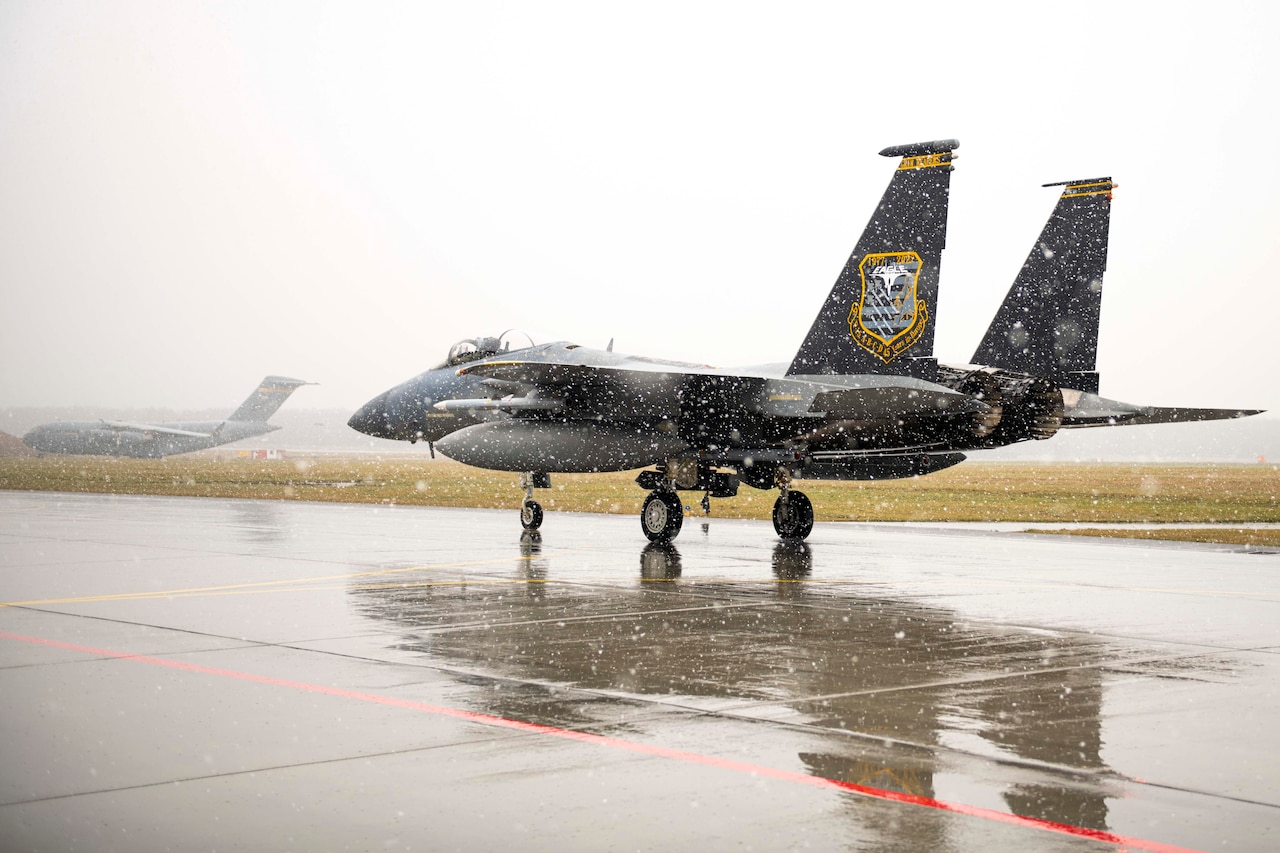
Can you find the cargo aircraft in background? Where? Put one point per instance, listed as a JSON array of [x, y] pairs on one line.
[[151, 441], [864, 398]]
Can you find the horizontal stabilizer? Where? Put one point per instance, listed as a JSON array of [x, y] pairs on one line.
[[891, 402], [1089, 410], [122, 426], [1173, 415]]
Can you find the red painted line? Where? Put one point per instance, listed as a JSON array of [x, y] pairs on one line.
[[630, 746]]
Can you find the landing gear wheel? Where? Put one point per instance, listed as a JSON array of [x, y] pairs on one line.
[[793, 518], [661, 516], [530, 515]]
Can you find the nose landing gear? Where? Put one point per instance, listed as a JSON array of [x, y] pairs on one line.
[[793, 511], [531, 510], [793, 515]]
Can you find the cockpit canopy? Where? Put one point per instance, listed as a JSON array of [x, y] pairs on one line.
[[474, 349]]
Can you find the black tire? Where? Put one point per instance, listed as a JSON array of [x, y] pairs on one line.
[[796, 520], [531, 515], [661, 516]]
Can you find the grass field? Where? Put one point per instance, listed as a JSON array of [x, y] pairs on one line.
[[1238, 495], [1244, 535]]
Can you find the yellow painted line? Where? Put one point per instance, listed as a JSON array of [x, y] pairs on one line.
[[295, 585], [1004, 584], [1071, 190]]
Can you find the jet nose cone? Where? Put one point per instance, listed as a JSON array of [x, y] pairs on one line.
[[373, 418]]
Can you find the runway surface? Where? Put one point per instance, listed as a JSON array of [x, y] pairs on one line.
[[186, 674]]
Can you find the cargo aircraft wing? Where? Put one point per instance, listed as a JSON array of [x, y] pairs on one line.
[[124, 426]]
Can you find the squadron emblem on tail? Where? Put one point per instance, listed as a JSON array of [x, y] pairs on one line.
[[889, 316]]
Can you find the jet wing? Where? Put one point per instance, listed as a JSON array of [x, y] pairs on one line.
[[543, 384], [881, 398], [1081, 409], [123, 426], [551, 373]]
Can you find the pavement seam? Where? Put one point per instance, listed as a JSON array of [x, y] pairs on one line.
[[495, 738]]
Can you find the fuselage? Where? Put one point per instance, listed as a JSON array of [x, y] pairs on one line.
[[565, 408], [98, 438]]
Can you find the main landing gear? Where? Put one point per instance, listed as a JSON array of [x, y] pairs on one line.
[[531, 510], [663, 515], [663, 512], [793, 511], [793, 515]]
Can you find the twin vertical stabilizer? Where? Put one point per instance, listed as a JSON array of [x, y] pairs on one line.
[[879, 316], [1048, 323]]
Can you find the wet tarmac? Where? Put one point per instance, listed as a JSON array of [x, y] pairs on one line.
[[182, 674]]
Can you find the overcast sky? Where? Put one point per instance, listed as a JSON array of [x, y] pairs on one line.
[[193, 195]]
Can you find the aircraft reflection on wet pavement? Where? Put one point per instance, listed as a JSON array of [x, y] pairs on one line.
[[863, 398], [893, 691]]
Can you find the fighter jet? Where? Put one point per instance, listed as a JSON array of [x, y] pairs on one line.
[[152, 441], [863, 399]]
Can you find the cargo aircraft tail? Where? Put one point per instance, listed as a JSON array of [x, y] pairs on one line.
[[266, 399]]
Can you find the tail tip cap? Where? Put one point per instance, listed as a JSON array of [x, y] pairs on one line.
[[916, 149]]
